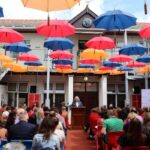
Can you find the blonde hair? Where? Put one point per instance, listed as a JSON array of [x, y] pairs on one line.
[[22, 114], [40, 114], [131, 115]]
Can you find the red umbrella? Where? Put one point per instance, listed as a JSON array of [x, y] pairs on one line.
[[106, 68], [101, 42], [120, 58], [56, 28], [27, 57], [59, 54], [63, 66], [135, 64], [89, 61], [145, 31], [10, 36]]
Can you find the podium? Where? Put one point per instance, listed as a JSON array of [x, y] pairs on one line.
[[77, 117]]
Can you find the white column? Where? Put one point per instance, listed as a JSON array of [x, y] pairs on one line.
[[69, 95], [103, 91]]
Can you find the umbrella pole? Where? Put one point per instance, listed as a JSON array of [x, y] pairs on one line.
[[47, 101], [146, 80]]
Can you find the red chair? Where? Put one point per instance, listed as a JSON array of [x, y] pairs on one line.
[[136, 148], [113, 139]]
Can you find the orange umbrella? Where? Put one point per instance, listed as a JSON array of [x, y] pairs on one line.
[[64, 70], [37, 68], [101, 71], [116, 72], [19, 69], [140, 71], [5, 59], [84, 70], [12, 65]]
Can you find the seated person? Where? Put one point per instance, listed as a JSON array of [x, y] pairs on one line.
[[21, 130], [76, 102]]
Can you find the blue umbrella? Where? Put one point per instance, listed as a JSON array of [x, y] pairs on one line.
[[35, 63], [58, 43], [17, 47], [115, 19], [1, 12], [86, 66], [62, 62], [133, 49], [111, 64], [124, 68], [144, 59]]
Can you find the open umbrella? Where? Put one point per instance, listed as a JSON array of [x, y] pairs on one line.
[[5, 59], [27, 57], [37, 68], [89, 61], [20, 69], [145, 32], [116, 72], [106, 68], [84, 70], [86, 66], [144, 59], [10, 36], [58, 43], [135, 64], [100, 42], [111, 64], [64, 70], [115, 19], [101, 71], [62, 62], [34, 63], [59, 54], [133, 49], [17, 47], [63, 66], [12, 65], [1, 12], [56, 28], [125, 68]]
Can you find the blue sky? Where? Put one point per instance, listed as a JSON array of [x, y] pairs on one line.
[[13, 9]]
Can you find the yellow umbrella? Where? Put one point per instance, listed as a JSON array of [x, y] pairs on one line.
[[140, 71], [146, 69], [19, 69], [93, 54], [12, 65], [64, 70], [116, 72], [101, 71], [5, 59], [50, 5], [84, 70], [37, 68]]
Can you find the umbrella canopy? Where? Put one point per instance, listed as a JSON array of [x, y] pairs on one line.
[[145, 31], [124, 68], [34, 63], [50, 5], [62, 62], [10, 36], [64, 70], [17, 47], [1, 12], [140, 71], [19, 69], [144, 59], [59, 54], [106, 68], [146, 69], [27, 57], [84, 70], [116, 72], [12, 65], [93, 54], [37, 68], [100, 42], [89, 61], [115, 19], [111, 64], [101, 71], [63, 66], [86, 66], [58, 43], [133, 49], [135, 64], [120, 58], [56, 28], [5, 59]]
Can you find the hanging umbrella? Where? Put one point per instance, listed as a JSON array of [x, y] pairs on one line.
[[34, 63], [10, 36], [59, 54], [101, 71], [84, 70], [144, 59], [86, 66], [89, 61], [37, 68], [140, 71], [1, 12], [115, 19], [58, 43], [64, 70], [62, 62], [17, 47], [106, 68], [133, 49], [19, 69], [56, 28], [124, 68], [146, 69], [5, 59], [111, 64], [116, 72], [63, 66], [145, 32], [12, 65], [120, 58], [100, 42], [27, 57], [93, 54], [135, 64]]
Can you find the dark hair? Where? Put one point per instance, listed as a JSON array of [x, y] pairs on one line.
[[47, 127], [135, 132]]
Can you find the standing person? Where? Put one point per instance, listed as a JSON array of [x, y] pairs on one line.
[[76, 102]]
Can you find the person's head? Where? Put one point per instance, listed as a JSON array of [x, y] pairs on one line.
[[111, 106], [131, 115], [40, 114], [11, 119], [76, 98], [22, 114], [5, 115], [111, 112]]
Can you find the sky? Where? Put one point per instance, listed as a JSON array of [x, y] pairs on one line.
[[14, 9]]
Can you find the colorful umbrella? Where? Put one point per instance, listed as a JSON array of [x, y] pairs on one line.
[[140, 71], [56, 28], [106, 68], [116, 72], [84, 70], [12, 65], [59, 54], [37, 68], [10, 36], [101, 71], [120, 58], [19, 69], [89, 61], [34, 63], [100, 42], [111, 64], [124, 68], [145, 31], [27, 57], [115, 19], [64, 70], [62, 62], [146, 69], [63, 66], [135, 64], [1, 12], [93, 54], [58, 43], [86, 66], [5, 59], [133, 49], [144, 59], [17, 47]]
